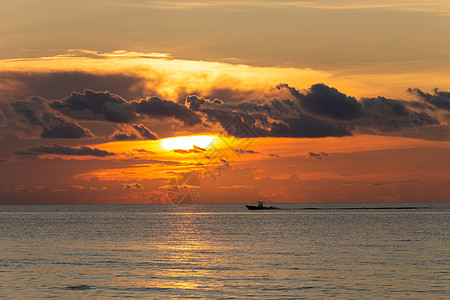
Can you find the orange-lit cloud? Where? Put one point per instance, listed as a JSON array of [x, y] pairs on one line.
[[159, 74], [164, 75]]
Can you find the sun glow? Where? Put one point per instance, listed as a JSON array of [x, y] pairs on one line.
[[187, 142]]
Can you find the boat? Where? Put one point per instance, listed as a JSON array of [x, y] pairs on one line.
[[260, 206]]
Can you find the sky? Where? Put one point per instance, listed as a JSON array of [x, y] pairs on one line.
[[140, 101]]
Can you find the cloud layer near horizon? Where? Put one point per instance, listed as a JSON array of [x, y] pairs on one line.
[[320, 111]]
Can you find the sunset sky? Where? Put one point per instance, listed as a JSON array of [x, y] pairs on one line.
[[112, 101]]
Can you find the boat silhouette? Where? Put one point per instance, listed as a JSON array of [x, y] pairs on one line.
[[260, 206]]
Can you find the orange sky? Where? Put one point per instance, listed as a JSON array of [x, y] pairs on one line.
[[281, 101], [351, 169]]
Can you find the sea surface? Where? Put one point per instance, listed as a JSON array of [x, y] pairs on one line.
[[303, 251]]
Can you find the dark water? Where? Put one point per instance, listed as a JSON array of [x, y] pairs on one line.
[[343, 251]]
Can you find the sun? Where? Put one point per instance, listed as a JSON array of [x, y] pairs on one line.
[[187, 142]]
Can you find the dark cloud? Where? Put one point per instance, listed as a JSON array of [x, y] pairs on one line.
[[439, 99], [145, 132], [29, 109], [132, 186], [309, 127], [124, 137], [273, 109], [104, 106], [144, 151], [34, 111], [244, 151], [277, 118], [345, 113], [388, 114], [228, 117], [65, 131], [28, 153], [56, 85], [227, 95], [157, 108], [194, 102], [318, 155], [394, 182], [133, 132], [197, 103], [383, 106], [323, 101], [320, 111], [65, 150], [91, 105]]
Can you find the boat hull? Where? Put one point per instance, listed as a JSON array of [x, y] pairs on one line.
[[254, 207]]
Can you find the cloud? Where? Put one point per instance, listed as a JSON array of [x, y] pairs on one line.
[[138, 75], [35, 112], [65, 150], [439, 99], [388, 114], [91, 105], [306, 126], [121, 136], [155, 107], [323, 101], [15, 189], [132, 186], [126, 132], [195, 102], [77, 187], [104, 106], [29, 109], [195, 149], [320, 111], [58, 84], [319, 155], [345, 113], [65, 131], [145, 132], [143, 151], [274, 118], [243, 151]]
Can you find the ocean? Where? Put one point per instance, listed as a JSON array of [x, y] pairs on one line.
[[224, 251]]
